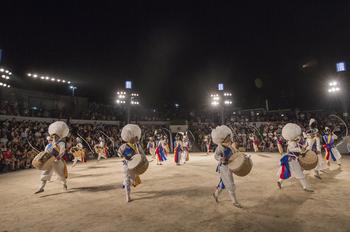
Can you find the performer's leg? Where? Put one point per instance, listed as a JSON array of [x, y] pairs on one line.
[[58, 167], [99, 157], [227, 178], [320, 165], [126, 182], [75, 161], [337, 156], [218, 191], [45, 176], [298, 173]]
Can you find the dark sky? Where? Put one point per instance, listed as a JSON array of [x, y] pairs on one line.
[[177, 52]]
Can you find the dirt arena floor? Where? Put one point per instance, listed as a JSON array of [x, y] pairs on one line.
[[175, 198]]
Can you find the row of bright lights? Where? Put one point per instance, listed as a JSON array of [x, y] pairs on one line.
[[4, 85], [134, 94], [120, 102], [5, 77], [333, 89], [227, 94], [121, 93], [215, 103], [47, 78], [134, 103], [333, 83], [5, 71]]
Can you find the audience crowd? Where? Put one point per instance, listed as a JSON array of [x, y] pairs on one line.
[[20, 141]]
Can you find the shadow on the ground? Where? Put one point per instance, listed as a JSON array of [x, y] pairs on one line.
[[184, 192], [75, 176], [99, 188]]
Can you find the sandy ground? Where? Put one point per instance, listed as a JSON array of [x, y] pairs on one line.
[[175, 198]]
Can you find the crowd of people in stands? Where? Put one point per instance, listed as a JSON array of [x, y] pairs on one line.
[[20, 140]]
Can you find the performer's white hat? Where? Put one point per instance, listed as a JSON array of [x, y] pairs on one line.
[[48, 138], [291, 131], [312, 120], [130, 131], [59, 128], [220, 133]]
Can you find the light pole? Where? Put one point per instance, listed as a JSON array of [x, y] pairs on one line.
[[73, 88], [221, 99], [127, 98]]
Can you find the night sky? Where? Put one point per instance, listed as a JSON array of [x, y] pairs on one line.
[[176, 53]]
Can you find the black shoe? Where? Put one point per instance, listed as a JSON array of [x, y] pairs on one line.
[[216, 198], [279, 184], [39, 191]]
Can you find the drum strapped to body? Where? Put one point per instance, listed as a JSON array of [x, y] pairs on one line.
[[79, 154], [43, 161], [240, 164], [308, 160], [99, 149], [138, 164]]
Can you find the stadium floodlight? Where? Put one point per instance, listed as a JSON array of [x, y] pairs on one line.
[[53, 79], [2, 70], [333, 87], [214, 103], [29, 74]]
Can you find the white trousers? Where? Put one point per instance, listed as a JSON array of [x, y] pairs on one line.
[[297, 172], [128, 177], [58, 168], [75, 160], [101, 155], [226, 176], [320, 164], [336, 154], [183, 156]]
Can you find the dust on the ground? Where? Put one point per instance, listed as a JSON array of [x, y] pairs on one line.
[[175, 198]]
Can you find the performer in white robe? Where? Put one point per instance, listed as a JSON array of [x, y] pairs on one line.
[[57, 131], [151, 146], [329, 145], [313, 143], [185, 149], [101, 149], [178, 150], [130, 134], [222, 136], [81, 154], [289, 162]]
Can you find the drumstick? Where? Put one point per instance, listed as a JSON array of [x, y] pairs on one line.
[[32, 146], [86, 143]]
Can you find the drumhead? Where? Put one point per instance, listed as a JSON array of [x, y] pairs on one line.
[[236, 161], [135, 160]]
